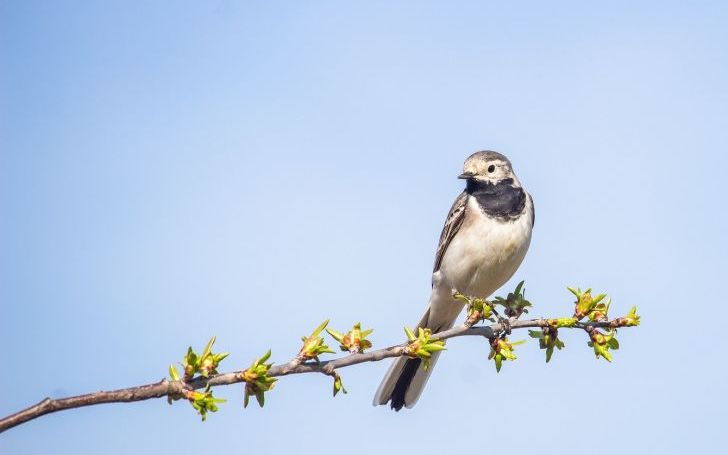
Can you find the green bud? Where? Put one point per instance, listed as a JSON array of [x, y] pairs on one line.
[[355, 340], [602, 343], [314, 345], [257, 381], [515, 303], [422, 346], [501, 349], [338, 385]]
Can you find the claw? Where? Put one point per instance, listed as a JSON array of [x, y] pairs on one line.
[[505, 324]]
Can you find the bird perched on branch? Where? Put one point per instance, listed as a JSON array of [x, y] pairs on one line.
[[484, 240]]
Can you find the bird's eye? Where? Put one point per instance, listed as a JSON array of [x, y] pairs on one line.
[[491, 168]]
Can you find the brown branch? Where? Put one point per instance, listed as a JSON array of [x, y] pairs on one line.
[[179, 389]]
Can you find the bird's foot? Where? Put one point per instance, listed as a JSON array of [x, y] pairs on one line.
[[505, 324]]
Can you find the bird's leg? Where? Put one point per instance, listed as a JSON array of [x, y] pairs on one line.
[[504, 322]]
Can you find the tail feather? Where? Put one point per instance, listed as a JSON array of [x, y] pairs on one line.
[[385, 392], [406, 378], [404, 382]]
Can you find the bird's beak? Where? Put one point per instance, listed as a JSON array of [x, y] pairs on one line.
[[466, 175]]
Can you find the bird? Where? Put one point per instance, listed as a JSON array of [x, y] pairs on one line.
[[485, 238]]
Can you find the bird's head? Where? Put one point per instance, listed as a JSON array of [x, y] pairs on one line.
[[488, 167]]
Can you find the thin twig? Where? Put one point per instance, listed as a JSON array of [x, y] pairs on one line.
[[176, 389]]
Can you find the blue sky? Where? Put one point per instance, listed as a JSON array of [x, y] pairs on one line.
[[174, 170]]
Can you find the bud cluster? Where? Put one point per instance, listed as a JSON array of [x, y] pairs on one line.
[[354, 341], [257, 381], [204, 364], [501, 349], [314, 345], [421, 346]]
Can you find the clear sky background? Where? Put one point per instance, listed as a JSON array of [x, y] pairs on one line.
[[175, 170]]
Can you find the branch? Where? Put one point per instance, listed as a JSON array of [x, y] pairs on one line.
[[259, 377], [180, 389]]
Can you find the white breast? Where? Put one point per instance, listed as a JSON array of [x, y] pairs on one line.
[[485, 253]]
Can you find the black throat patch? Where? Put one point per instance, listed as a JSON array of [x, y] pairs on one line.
[[501, 200]]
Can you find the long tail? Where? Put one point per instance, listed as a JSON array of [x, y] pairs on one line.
[[406, 378], [404, 382]]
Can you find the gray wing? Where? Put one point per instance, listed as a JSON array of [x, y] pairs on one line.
[[454, 220]]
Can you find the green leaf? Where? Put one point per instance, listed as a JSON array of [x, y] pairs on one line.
[[173, 374], [338, 385], [208, 347], [257, 381], [613, 343], [518, 288], [338, 336], [601, 343], [320, 328], [410, 335]]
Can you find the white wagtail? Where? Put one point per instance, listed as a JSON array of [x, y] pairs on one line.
[[484, 240]]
